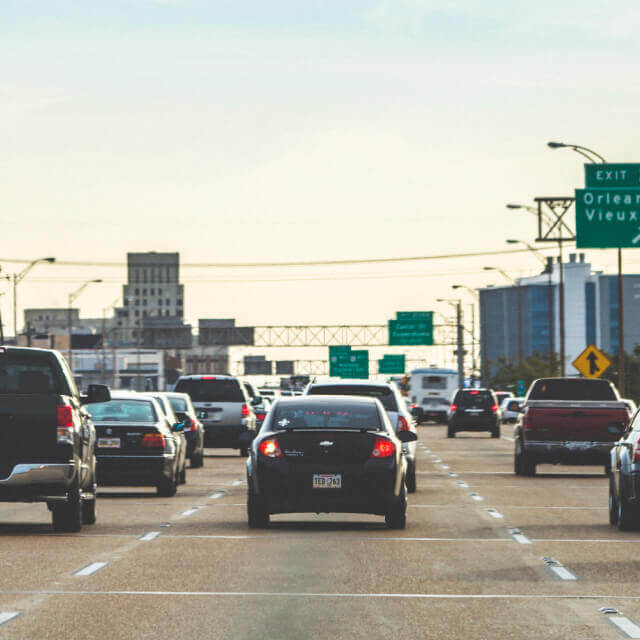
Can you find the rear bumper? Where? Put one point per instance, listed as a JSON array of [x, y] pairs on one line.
[[135, 471], [223, 436], [430, 414], [37, 481], [474, 423], [571, 452]]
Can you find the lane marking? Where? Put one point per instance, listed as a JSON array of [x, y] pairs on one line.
[[462, 484], [90, 569], [576, 508], [190, 512], [437, 539], [626, 625], [563, 573], [216, 495], [508, 438], [236, 483], [452, 474], [493, 513], [474, 496], [152, 535], [444, 467], [8, 616], [519, 537]]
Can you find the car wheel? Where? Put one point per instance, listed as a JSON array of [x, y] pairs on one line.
[[257, 514], [396, 517], [495, 433], [197, 460], [67, 517], [517, 463], [182, 476], [244, 452], [411, 478], [89, 510], [607, 469], [626, 516], [451, 432], [167, 487], [613, 504]]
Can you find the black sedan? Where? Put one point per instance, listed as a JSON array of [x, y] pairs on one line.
[[135, 443], [322, 454], [624, 476]]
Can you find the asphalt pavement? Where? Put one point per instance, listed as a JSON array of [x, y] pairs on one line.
[[486, 554]]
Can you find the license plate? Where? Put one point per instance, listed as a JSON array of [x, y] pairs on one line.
[[109, 443], [474, 410], [327, 481]]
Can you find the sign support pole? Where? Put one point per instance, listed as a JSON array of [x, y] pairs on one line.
[[460, 350], [621, 377]]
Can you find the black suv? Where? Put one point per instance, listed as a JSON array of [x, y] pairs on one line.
[[47, 438], [474, 410]]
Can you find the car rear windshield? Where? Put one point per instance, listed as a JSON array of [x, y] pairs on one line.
[[474, 398], [30, 373], [323, 416], [178, 404], [123, 411], [211, 390], [577, 389], [383, 393]]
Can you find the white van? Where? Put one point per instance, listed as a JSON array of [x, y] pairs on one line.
[[431, 390]]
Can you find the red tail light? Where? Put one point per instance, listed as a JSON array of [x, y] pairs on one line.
[[453, 408], [526, 422], [245, 410], [153, 440], [65, 416], [260, 416], [636, 451], [494, 408], [383, 449], [270, 448], [403, 424]]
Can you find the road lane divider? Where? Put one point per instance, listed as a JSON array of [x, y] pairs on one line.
[[90, 569], [494, 513], [236, 483], [216, 495], [558, 569], [8, 616], [444, 467], [474, 496], [623, 624], [190, 512], [519, 537], [152, 535], [462, 484], [452, 474]]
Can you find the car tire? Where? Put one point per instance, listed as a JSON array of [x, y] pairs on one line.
[[613, 503], [527, 466], [182, 476], [67, 517], [396, 517], [257, 513], [197, 460], [167, 487], [495, 433], [89, 510], [607, 469], [451, 432], [244, 452], [627, 518], [411, 478]]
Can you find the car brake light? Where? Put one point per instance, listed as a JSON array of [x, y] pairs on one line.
[[474, 393], [453, 407], [260, 416], [403, 424], [527, 421], [245, 410], [494, 408], [270, 448], [208, 378], [636, 451], [383, 449], [153, 440], [64, 433]]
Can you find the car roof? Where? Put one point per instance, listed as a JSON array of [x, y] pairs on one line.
[[334, 400], [433, 370], [350, 381], [209, 376]]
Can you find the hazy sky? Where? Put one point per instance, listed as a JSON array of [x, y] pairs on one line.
[[246, 130]]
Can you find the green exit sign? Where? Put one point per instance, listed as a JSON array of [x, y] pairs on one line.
[[392, 364], [411, 328], [609, 176], [344, 362]]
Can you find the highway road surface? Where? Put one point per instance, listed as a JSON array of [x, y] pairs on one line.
[[485, 554]]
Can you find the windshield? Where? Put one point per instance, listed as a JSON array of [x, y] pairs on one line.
[[178, 404], [383, 393], [322, 415], [123, 411], [29, 373], [222, 390]]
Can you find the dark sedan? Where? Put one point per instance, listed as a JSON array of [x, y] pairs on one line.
[[624, 477], [193, 428], [135, 444], [474, 410], [322, 454]]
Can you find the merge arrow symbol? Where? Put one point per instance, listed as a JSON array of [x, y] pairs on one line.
[[593, 363]]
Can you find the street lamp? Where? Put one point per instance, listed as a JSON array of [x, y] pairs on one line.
[[578, 148], [16, 279], [473, 328], [460, 337], [519, 303], [536, 252], [72, 297]]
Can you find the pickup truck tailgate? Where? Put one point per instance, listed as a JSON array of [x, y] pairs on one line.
[[27, 430]]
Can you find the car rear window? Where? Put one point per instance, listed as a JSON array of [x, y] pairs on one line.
[[474, 398], [178, 404], [30, 373], [383, 393], [434, 382], [123, 411], [211, 390], [576, 389], [323, 416]]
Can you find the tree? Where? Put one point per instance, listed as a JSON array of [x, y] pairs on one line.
[[506, 372]]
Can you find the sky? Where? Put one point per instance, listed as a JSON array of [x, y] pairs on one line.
[[253, 131]]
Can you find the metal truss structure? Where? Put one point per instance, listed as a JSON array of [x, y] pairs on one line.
[[552, 226]]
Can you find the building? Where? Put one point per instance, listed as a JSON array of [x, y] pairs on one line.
[[519, 319]]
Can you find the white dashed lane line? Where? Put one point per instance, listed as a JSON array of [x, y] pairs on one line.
[[474, 496], [8, 616], [90, 569], [519, 537], [152, 535], [462, 484], [493, 513], [189, 512], [216, 495], [627, 626], [558, 570]]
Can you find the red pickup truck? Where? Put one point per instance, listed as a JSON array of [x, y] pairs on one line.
[[568, 421]]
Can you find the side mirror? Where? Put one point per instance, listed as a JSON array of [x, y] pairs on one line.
[[246, 437], [202, 415], [178, 426], [407, 436], [255, 401], [97, 393]]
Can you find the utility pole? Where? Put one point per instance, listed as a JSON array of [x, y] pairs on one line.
[[460, 349]]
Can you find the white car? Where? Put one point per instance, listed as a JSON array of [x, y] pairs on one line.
[[510, 409]]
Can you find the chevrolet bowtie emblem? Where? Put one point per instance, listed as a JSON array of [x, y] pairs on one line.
[[326, 443]]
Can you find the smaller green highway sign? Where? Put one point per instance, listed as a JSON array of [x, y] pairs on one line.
[[607, 218], [347, 363], [603, 176], [390, 363], [411, 328]]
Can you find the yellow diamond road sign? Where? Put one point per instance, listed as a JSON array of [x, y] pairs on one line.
[[592, 363]]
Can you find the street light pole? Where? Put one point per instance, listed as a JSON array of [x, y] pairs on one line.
[[473, 329], [457, 304], [72, 297], [16, 279]]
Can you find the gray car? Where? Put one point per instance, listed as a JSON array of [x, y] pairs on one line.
[[393, 403], [223, 407]]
